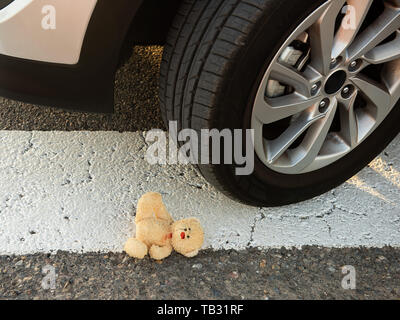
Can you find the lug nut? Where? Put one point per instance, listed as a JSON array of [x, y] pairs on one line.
[[315, 87], [335, 62], [323, 105], [347, 91], [354, 65]]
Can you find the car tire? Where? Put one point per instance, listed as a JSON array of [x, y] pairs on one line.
[[215, 57]]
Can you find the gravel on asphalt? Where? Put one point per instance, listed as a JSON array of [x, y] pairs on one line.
[[310, 273]]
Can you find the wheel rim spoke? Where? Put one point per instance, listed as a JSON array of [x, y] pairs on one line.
[[377, 95], [386, 24], [356, 13], [292, 77], [385, 52], [279, 146], [392, 79], [276, 109], [348, 121], [322, 37], [314, 140]]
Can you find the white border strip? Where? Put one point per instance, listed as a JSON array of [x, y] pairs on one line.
[[76, 192]]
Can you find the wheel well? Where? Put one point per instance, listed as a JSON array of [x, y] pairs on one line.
[[150, 25]]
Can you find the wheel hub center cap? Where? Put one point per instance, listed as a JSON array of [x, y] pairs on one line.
[[335, 82]]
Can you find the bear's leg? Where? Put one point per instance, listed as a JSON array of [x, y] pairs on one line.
[[151, 205], [160, 253], [135, 248]]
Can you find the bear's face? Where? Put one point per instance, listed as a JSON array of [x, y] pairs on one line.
[[187, 236]]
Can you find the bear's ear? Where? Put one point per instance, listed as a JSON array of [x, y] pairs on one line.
[[191, 221], [191, 254]]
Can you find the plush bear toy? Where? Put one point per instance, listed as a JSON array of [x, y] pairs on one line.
[[157, 234]]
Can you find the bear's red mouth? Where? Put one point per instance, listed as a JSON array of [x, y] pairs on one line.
[[183, 235]]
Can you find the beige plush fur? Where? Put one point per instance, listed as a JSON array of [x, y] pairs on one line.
[[157, 234]]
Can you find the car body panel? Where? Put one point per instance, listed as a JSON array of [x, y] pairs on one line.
[[45, 30], [88, 84]]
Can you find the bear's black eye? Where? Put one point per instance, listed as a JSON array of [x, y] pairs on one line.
[[190, 229]]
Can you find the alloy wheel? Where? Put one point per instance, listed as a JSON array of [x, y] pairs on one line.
[[331, 84]]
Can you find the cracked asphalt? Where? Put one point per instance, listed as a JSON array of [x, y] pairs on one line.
[[58, 169]]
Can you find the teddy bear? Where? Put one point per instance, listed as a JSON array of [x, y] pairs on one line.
[[157, 234]]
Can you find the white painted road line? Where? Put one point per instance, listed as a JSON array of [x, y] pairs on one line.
[[76, 192]]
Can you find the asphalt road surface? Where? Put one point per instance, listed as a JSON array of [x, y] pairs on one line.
[[311, 273], [69, 183]]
